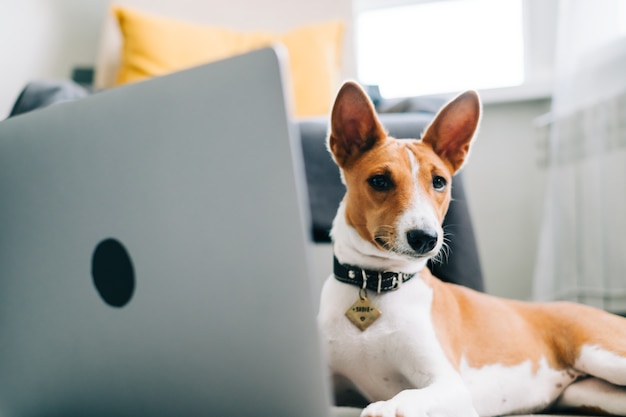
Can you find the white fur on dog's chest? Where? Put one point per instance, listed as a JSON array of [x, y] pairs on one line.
[[380, 360], [401, 351]]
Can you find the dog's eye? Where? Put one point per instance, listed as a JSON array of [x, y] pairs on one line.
[[380, 182], [439, 183]]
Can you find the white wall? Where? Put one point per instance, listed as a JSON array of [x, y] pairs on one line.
[[505, 190], [45, 39]]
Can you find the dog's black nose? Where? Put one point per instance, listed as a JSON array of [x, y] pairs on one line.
[[421, 241]]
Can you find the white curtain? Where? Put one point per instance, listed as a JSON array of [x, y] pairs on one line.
[[582, 247]]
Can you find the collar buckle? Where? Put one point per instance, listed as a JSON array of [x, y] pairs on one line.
[[397, 278], [396, 282]]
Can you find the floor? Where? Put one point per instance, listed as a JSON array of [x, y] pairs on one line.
[[355, 412]]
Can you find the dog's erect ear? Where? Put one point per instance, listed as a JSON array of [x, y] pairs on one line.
[[355, 128], [453, 128]]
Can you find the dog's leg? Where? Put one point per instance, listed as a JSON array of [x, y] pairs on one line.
[[447, 397], [593, 395], [602, 363], [603, 358]]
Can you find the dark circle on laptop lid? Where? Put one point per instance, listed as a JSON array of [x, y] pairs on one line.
[[112, 272]]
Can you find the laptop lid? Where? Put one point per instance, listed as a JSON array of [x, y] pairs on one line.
[[153, 252]]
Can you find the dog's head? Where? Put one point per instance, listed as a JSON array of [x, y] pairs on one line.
[[398, 191]]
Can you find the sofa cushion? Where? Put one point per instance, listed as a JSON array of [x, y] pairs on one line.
[[155, 45]]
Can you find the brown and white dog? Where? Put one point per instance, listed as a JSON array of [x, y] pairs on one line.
[[415, 346]]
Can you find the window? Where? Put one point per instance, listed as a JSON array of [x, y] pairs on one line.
[[622, 17], [431, 47]]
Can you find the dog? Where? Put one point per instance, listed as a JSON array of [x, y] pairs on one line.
[[411, 345]]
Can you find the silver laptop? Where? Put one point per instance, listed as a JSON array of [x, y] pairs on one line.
[[153, 256]]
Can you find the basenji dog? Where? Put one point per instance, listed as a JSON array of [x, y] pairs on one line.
[[414, 346]]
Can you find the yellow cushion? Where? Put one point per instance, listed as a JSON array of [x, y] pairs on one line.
[[154, 45]]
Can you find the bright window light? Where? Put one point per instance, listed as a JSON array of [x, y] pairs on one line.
[[622, 17], [441, 46]]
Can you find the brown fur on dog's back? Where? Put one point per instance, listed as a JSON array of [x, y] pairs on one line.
[[479, 333]]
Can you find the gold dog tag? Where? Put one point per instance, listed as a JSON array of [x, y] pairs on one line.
[[363, 313]]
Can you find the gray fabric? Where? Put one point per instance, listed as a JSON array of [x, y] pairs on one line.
[[40, 94], [411, 105]]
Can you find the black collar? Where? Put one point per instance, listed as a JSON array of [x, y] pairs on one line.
[[379, 281]]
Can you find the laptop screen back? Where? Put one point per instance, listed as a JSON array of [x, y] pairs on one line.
[[152, 252]]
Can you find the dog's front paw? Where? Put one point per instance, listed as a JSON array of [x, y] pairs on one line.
[[386, 409], [414, 403], [408, 403]]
